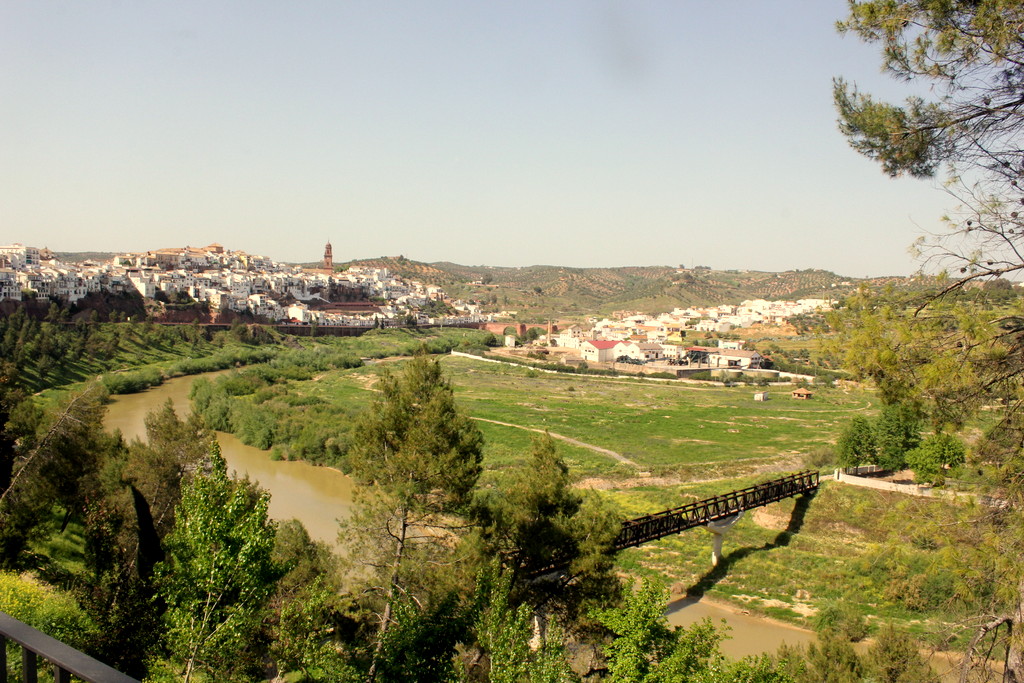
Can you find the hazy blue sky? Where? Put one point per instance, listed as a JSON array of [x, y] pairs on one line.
[[590, 133]]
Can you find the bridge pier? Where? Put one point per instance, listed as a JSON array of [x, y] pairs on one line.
[[718, 529], [540, 628]]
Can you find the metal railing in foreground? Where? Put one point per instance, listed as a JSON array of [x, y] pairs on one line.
[[66, 660]]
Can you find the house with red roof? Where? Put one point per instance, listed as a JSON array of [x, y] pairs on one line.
[[599, 350]]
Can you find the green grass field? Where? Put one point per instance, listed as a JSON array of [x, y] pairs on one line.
[[659, 427]]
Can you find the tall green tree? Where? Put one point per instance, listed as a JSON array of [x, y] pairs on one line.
[[535, 517], [419, 458], [11, 397], [936, 453], [645, 650], [219, 575], [504, 632], [897, 432], [970, 56], [857, 443], [307, 610], [161, 466], [55, 459]]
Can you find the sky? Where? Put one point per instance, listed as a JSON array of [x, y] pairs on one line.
[[590, 133]]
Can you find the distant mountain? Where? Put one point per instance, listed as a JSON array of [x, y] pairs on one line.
[[563, 291], [82, 256], [559, 291]]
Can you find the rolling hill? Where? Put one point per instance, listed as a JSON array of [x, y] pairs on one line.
[[541, 292], [562, 291]]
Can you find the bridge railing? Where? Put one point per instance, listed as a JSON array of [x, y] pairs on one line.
[[66, 660], [668, 522], [675, 520]]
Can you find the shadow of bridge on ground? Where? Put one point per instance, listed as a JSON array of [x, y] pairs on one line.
[[716, 574]]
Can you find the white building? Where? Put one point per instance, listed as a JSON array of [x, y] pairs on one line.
[[9, 286], [736, 358], [713, 326], [599, 350], [645, 351], [143, 283], [570, 338], [20, 257]]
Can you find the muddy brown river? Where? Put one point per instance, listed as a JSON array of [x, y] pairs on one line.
[[748, 634], [316, 496]]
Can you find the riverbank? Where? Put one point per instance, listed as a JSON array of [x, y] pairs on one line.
[[316, 496], [782, 562], [748, 634]]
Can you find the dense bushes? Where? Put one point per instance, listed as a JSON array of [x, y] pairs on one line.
[[893, 441], [820, 374], [553, 367], [255, 405], [132, 382], [53, 612], [222, 360]]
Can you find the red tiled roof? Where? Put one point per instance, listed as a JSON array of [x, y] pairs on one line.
[[602, 344]]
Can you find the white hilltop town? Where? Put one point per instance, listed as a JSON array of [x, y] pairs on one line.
[[248, 284], [235, 281]]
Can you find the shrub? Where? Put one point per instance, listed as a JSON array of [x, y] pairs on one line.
[[820, 458], [132, 382], [843, 619], [930, 459], [53, 612]]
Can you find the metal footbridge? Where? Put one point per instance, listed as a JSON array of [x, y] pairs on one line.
[[651, 527]]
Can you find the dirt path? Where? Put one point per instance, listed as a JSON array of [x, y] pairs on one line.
[[597, 449], [759, 467]]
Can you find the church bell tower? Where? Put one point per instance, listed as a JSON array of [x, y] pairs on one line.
[[328, 258]]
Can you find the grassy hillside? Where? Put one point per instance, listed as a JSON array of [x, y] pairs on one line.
[[846, 545]]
